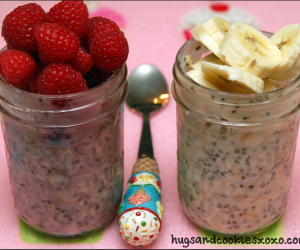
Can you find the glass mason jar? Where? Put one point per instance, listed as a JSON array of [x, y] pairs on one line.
[[235, 152], [65, 156]]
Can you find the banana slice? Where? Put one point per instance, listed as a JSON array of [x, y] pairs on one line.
[[199, 78], [216, 28], [247, 49], [232, 79], [197, 75], [268, 85], [211, 34], [209, 58], [287, 40], [188, 62], [278, 84]]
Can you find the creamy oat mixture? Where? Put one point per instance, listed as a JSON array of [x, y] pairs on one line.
[[68, 182]]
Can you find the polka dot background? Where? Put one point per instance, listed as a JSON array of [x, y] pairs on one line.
[[155, 33]]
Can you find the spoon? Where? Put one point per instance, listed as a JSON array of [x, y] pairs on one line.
[[141, 212]]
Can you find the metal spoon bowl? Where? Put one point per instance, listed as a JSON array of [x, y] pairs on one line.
[[148, 89]]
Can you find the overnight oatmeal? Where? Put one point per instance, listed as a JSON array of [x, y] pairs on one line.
[[237, 126], [62, 89], [66, 181]]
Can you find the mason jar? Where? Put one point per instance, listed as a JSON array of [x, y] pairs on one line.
[[235, 151], [65, 155]]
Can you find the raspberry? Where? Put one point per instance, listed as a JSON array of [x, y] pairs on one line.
[[9, 46], [72, 14], [100, 25], [47, 17], [16, 67], [83, 62], [56, 43], [60, 79], [33, 81], [96, 76], [85, 44], [110, 50], [19, 25]]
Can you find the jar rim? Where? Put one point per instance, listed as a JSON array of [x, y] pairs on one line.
[[78, 108], [64, 96], [221, 93]]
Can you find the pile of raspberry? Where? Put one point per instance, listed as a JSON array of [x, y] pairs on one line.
[[62, 51]]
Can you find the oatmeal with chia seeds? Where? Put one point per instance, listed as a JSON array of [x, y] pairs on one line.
[[67, 182], [232, 180], [237, 125]]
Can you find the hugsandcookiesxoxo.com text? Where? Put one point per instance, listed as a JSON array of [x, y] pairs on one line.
[[185, 241]]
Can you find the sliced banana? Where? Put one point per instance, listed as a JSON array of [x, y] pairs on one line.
[[199, 78], [188, 62], [278, 84], [232, 79], [217, 28], [197, 75], [287, 40], [209, 58], [211, 34], [247, 49], [268, 85]]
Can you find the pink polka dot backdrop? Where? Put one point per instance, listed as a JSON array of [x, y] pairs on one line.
[[155, 31]]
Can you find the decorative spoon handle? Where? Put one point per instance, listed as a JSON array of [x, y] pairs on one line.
[[141, 212]]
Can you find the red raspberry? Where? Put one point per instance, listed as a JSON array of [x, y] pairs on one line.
[[19, 25], [33, 81], [96, 76], [83, 62], [9, 46], [47, 17], [100, 25], [16, 67], [56, 43], [60, 79], [85, 43], [72, 14], [110, 50]]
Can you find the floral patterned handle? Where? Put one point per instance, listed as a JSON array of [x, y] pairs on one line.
[[141, 212]]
